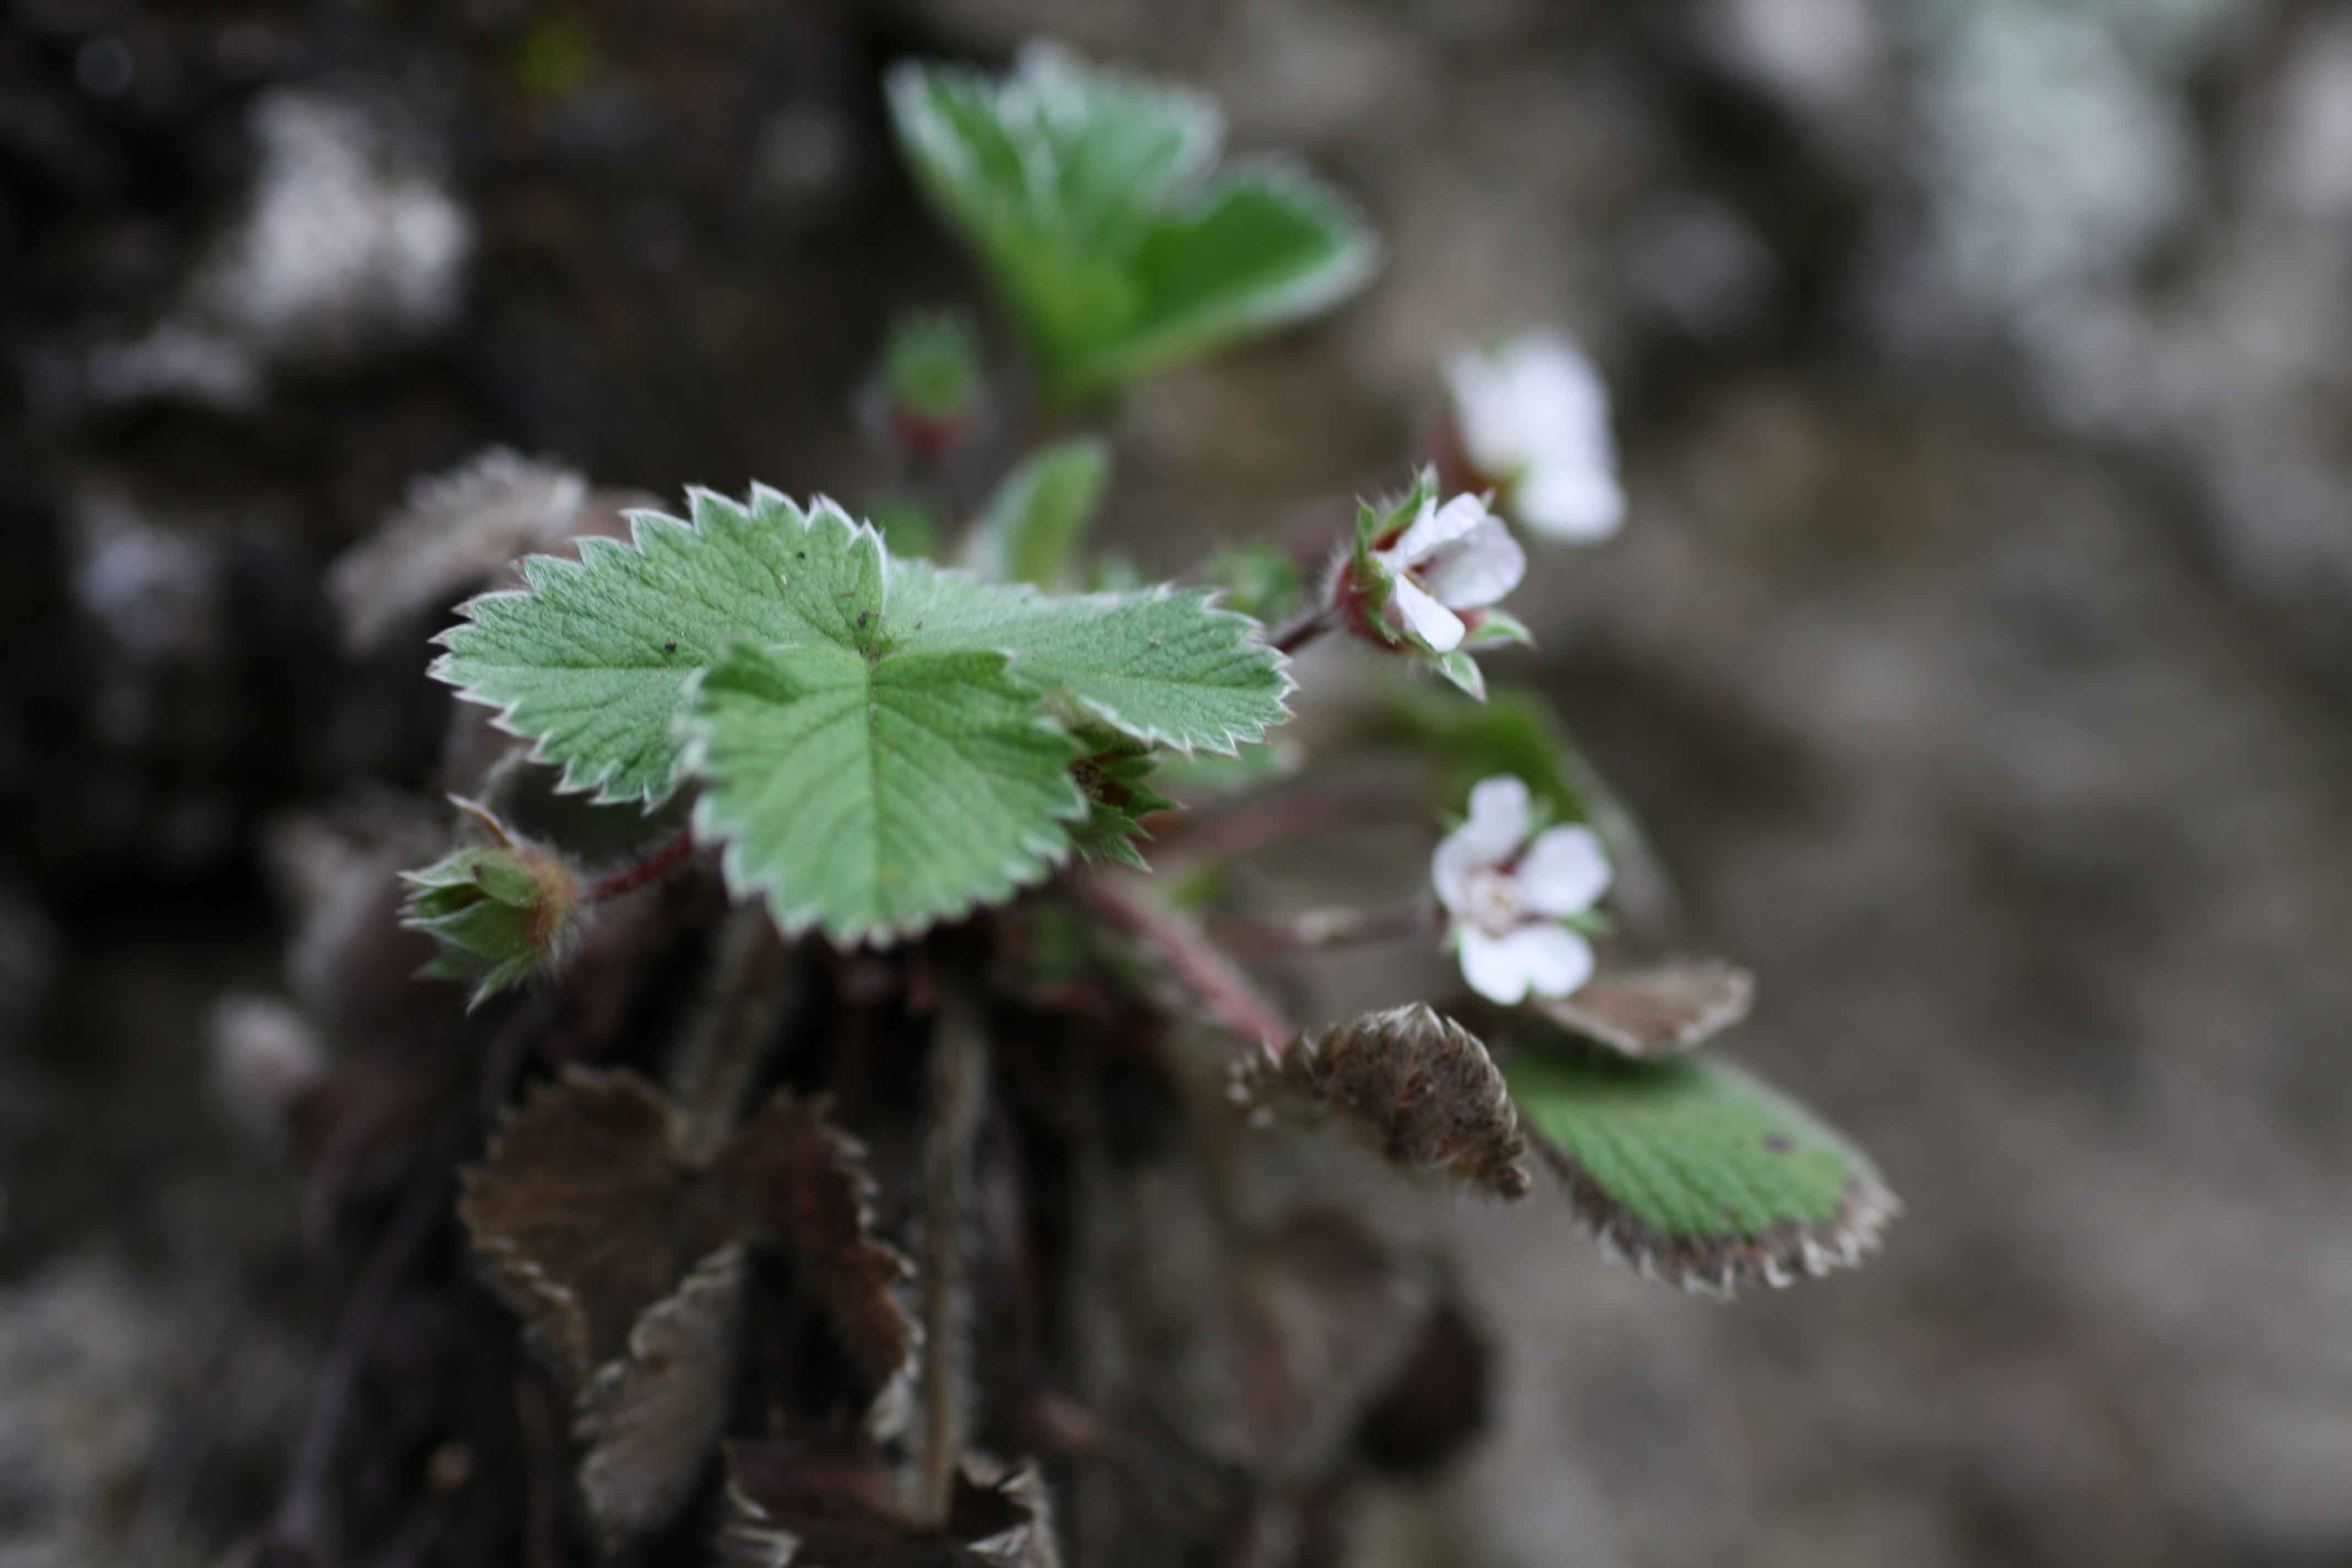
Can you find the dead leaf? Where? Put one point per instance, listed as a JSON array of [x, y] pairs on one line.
[[1657, 1010], [648, 1418], [1416, 1089], [829, 1502]]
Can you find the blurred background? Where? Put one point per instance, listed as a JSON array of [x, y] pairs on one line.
[[1977, 649]]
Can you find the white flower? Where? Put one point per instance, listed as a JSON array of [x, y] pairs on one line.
[[1458, 556], [1505, 899], [1533, 418]]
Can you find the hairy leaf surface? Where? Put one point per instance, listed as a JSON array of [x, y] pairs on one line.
[[1695, 1171]]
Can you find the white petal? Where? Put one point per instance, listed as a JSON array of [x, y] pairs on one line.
[[1485, 415], [1579, 500], [1458, 855], [1563, 871], [1427, 619], [1562, 406], [1479, 569], [1434, 529], [1549, 960], [1501, 815]]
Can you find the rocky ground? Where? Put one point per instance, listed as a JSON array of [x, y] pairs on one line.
[[1974, 650]]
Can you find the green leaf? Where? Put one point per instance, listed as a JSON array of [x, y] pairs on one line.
[[872, 731], [1163, 666], [1696, 1172], [1040, 511], [931, 367], [876, 796], [1088, 193], [1270, 246], [592, 660]]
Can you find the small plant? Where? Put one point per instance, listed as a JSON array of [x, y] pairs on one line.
[[929, 795]]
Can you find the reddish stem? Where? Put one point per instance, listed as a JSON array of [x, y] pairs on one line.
[[1301, 629], [1199, 963], [673, 854]]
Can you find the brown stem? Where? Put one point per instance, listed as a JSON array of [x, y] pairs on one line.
[[1232, 1000], [305, 1515], [673, 853], [1320, 930], [718, 1058], [958, 1094]]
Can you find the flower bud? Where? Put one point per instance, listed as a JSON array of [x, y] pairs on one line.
[[498, 911], [931, 381]]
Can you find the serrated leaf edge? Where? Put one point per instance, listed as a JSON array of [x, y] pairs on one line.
[[1775, 1258]]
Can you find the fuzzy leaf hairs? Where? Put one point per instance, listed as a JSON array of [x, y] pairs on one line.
[[883, 744]]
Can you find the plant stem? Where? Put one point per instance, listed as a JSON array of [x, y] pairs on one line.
[[672, 854], [717, 1060], [1301, 629], [1276, 815], [1323, 930], [958, 1096], [1199, 963]]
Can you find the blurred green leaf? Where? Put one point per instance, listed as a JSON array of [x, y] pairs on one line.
[[1040, 513], [1088, 193]]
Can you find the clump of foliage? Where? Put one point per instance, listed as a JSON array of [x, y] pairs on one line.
[[915, 1175]]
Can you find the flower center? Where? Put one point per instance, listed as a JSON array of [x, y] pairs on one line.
[[1491, 901]]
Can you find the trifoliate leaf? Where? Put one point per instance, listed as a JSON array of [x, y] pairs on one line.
[[943, 784], [1086, 193], [874, 798], [1417, 1089], [1656, 1010], [592, 660], [1040, 511], [1695, 1172]]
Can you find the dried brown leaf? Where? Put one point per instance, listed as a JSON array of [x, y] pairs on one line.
[[1657, 1010], [453, 530], [825, 1502], [583, 1217], [649, 1419], [1416, 1089], [797, 1181]]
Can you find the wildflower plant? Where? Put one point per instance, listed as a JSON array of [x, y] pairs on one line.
[[943, 781]]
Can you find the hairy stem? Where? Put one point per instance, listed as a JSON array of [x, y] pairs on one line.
[[1298, 810], [958, 1096], [1301, 629], [1196, 961], [717, 1060], [672, 854]]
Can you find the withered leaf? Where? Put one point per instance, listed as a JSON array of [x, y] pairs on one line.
[[1656, 1010], [797, 1181], [828, 1502], [648, 1418], [584, 1216], [1416, 1089], [453, 530]]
